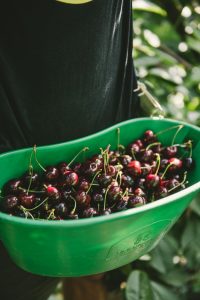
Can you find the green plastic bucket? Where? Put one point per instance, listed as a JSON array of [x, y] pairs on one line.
[[90, 246]]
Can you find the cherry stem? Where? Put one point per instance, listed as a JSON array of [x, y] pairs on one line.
[[105, 197], [31, 191], [133, 154], [26, 212], [51, 215], [125, 193], [153, 198], [35, 154], [157, 163], [179, 128], [105, 156], [171, 164], [168, 129], [182, 182], [30, 209], [92, 181], [31, 178], [74, 209], [153, 144], [83, 150], [118, 138]]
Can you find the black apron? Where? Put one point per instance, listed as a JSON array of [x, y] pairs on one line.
[[66, 71]]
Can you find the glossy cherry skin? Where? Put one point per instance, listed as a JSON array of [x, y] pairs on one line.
[[9, 203], [13, 187], [152, 180], [134, 168], [89, 212], [61, 210], [70, 178], [51, 174], [136, 201], [82, 199], [27, 200]]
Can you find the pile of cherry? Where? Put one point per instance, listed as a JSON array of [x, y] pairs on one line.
[[108, 182]]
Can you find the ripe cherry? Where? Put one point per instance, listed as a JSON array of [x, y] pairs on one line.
[[90, 212], [136, 201], [134, 168], [9, 203], [83, 199], [152, 180], [70, 178], [51, 174], [13, 187], [27, 200], [175, 163], [170, 151], [61, 210]]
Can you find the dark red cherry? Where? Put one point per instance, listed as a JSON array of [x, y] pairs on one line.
[[141, 183], [149, 137], [77, 168], [70, 178], [13, 187], [9, 203], [72, 216], [90, 169], [146, 155], [111, 170], [84, 184], [172, 183], [170, 151], [90, 212], [125, 159], [139, 143], [146, 169], [152, 180], [52, 192], [134, 168], [121, 204], [51, 174], [27, 200], [161, 192], [139, 192], [98, 198], [163, 163], [104, 180], [82, 198], [188, 163], [133, 149], [61, 210], [30, 178], [105, 212], [136, 201], [115, 193], [63, 167], [126, 181], [176, 164]]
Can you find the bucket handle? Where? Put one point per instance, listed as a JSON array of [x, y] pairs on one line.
[[148, 103]]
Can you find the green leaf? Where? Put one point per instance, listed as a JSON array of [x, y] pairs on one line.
[[176, 277], [163, 293], [139, 287], [195, 205], [191, 233], [149, 7], [162, 255], [193, 44]]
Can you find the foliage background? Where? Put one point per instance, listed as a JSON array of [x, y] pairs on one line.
[[167, 59]]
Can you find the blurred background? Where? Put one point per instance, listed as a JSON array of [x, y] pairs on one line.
[[166, 51]]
